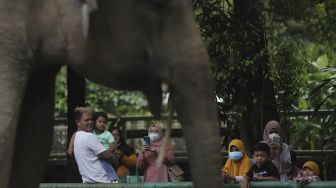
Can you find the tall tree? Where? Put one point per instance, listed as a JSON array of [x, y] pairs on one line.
[[258, 94], [235, 34]]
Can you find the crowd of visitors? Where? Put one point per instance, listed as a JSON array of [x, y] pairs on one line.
[[104, 157], [271, 160]]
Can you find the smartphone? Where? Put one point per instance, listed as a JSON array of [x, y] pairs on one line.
[[146, 140], [276, 139]]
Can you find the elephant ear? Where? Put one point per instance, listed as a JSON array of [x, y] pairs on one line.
[[87, 7]]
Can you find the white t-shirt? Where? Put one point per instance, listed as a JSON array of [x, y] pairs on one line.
[[86, 150]]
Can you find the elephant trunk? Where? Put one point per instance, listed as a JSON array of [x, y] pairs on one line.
[[195, 104]]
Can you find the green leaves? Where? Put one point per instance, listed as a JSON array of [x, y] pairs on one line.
[[287, 67], [61, 107], [324, 92], [101, 98], [115, 102]]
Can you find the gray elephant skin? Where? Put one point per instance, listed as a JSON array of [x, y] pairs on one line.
[[122, 44]]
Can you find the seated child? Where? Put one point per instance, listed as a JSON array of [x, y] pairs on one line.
[[310, 172], [262, 169], [238, 164]]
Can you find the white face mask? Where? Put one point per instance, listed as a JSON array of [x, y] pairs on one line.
[[153, 136]]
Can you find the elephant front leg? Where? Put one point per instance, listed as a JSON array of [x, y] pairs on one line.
[[34, 132], [13, 80]]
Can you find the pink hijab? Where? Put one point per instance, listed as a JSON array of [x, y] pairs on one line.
[[281, 160], [159, 141], [270, 125], [147, 161]]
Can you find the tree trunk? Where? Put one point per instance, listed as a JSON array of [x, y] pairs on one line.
[[259, 98]]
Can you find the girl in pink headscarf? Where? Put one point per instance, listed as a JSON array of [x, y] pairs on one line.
[[149, 154], [280, 153]]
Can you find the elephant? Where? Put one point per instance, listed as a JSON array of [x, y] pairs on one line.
[[127, 45]]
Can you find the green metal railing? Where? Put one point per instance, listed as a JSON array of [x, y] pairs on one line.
[[272, 184]]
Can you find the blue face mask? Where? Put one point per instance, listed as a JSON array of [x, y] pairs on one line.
[[235, 155]]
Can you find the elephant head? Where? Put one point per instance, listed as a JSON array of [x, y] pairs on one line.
[[129, 44]]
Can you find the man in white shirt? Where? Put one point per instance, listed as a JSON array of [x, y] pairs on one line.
[[89, 151]]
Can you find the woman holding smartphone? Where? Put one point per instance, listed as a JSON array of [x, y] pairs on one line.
[[149, 154], [280, 153]]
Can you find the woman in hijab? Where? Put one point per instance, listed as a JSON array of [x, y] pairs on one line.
[[149, 154], [238, 163], [280, 153]]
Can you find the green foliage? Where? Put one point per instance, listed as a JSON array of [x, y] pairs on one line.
[[323, 95], [310, 127], [61, 93], [286, 39], [313, 27], [101, 98], [232, 41], [231, 46], [115, 102], [287, 70], [324, 92]]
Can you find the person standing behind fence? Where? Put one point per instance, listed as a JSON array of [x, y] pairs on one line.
[[88, 150], [280, 153], [124, 152], [238, 163], [149, 154]]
